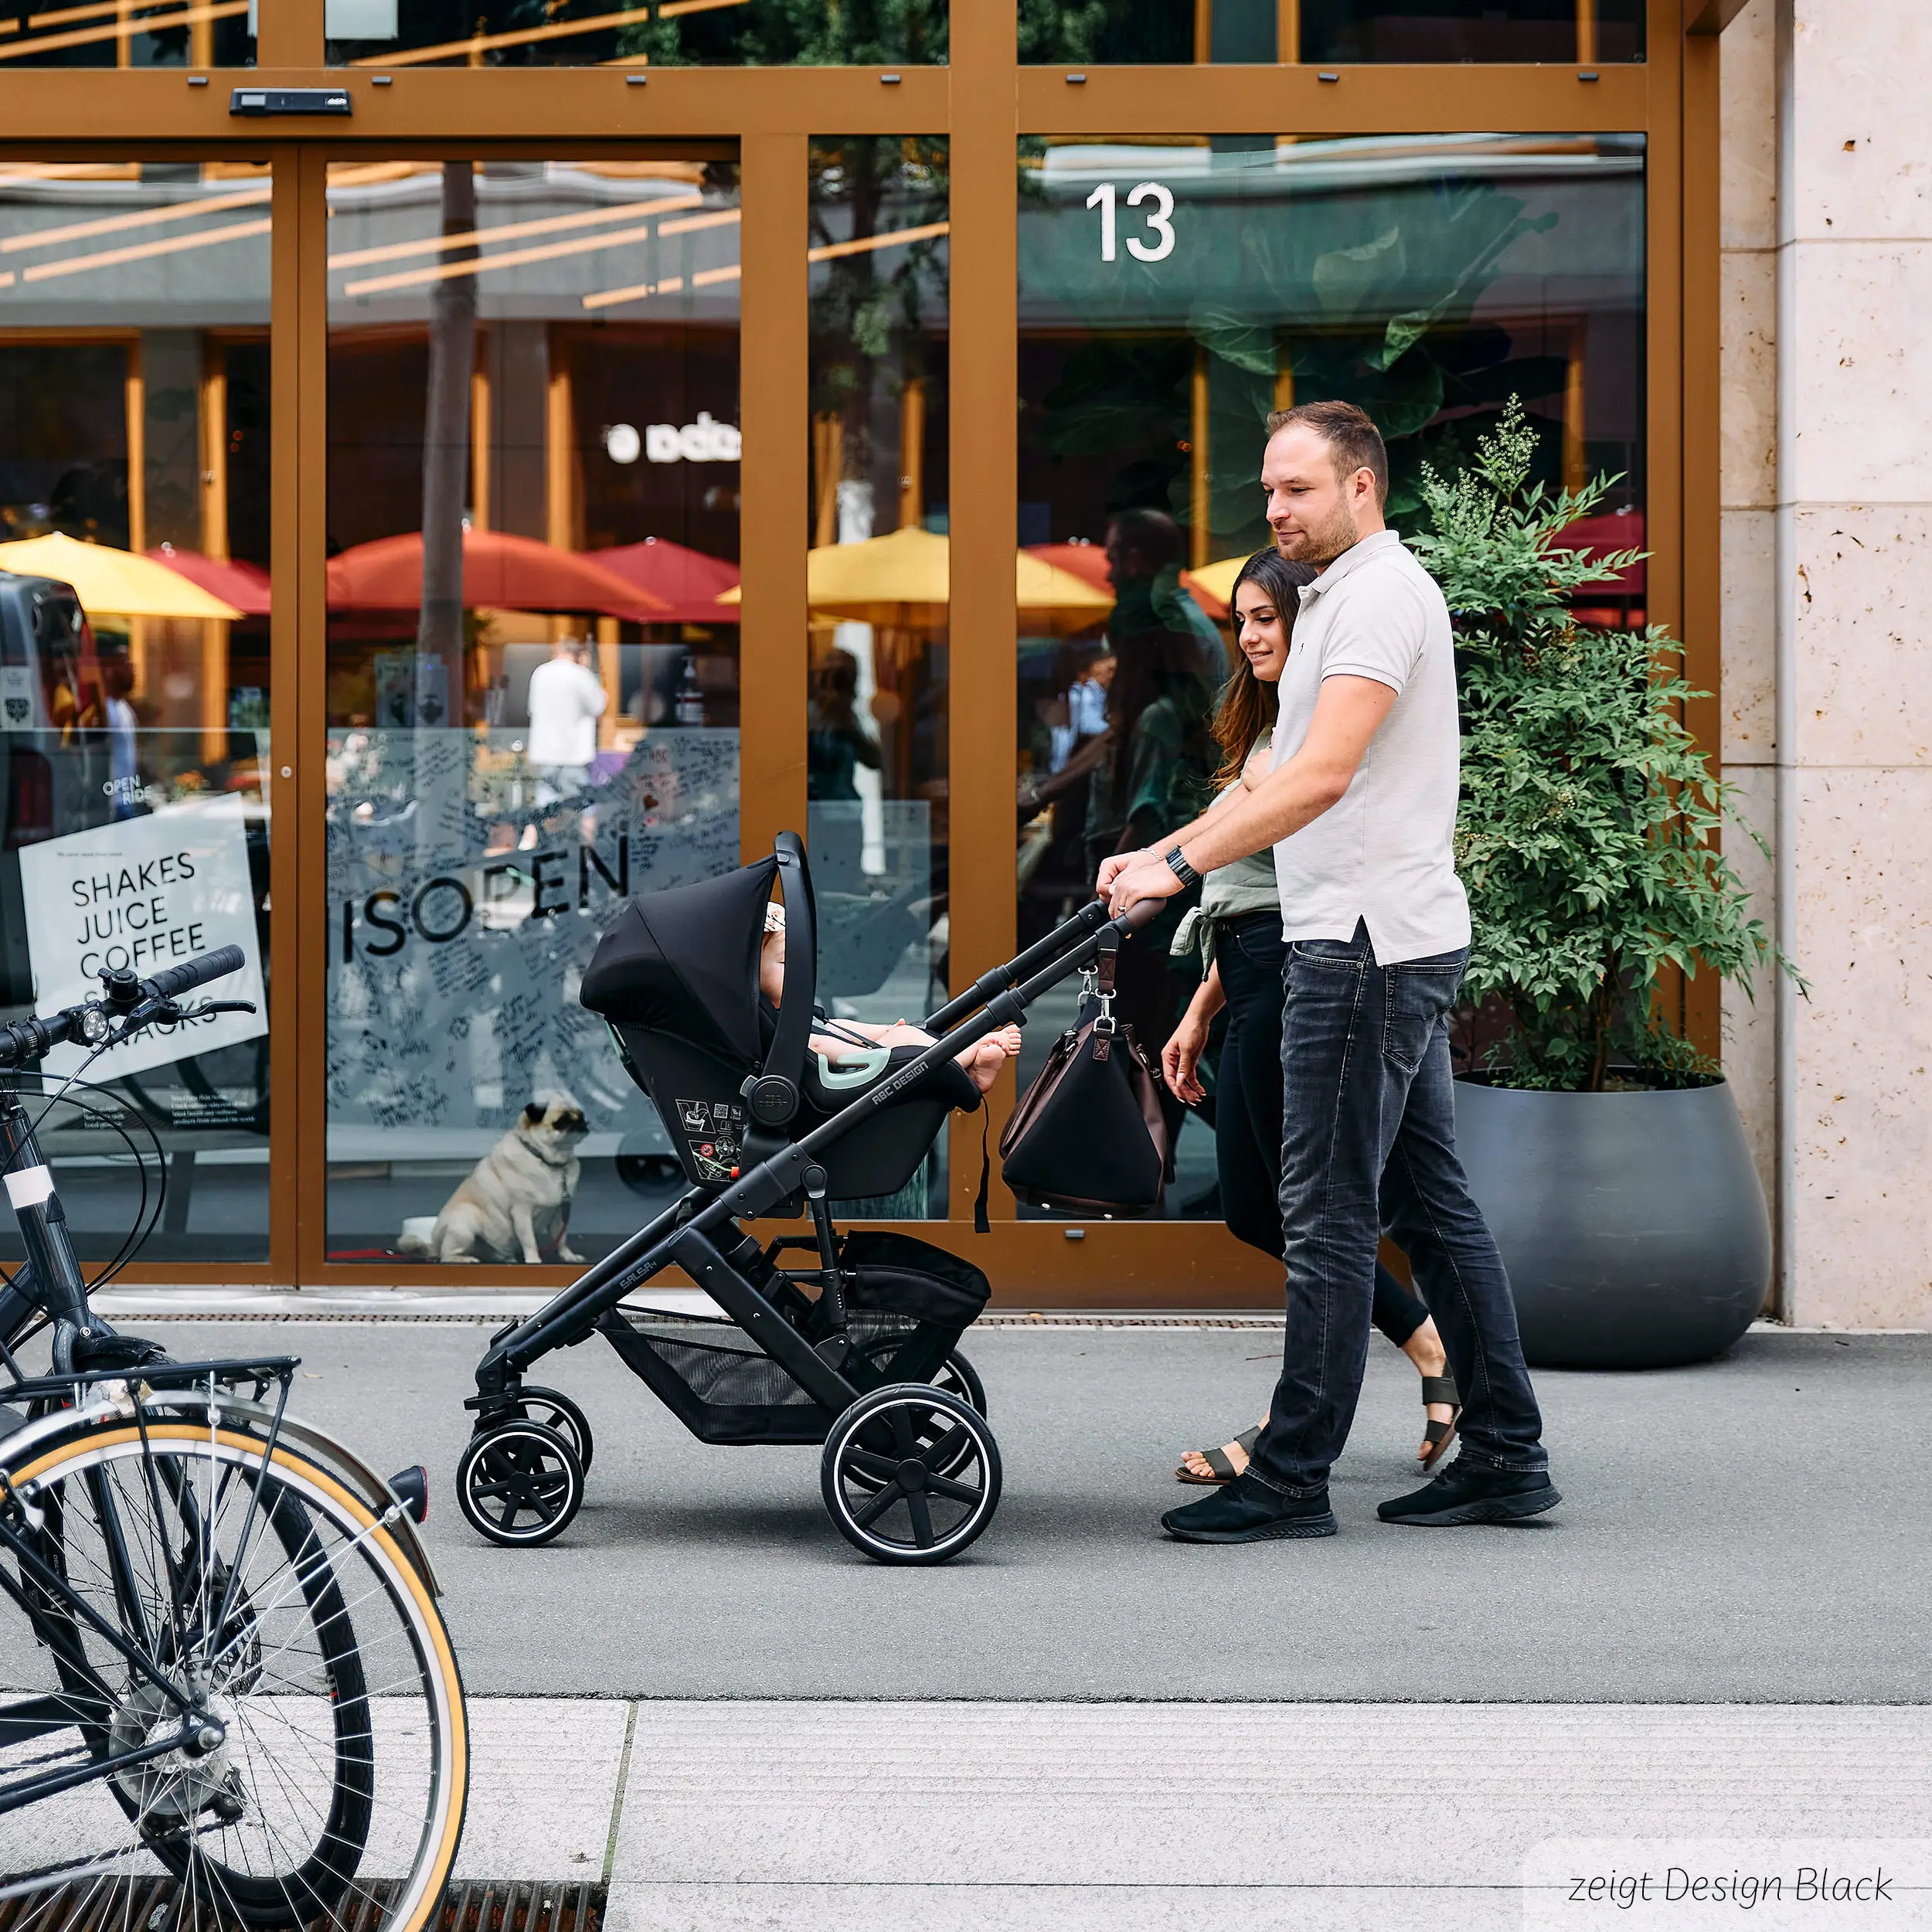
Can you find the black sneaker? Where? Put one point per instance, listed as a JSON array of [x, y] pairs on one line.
[[1467, 1492], [1247, 1510]]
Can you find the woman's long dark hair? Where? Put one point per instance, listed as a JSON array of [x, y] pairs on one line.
[[1248, 706]]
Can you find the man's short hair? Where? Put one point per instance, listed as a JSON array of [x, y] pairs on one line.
[[1354, 442]]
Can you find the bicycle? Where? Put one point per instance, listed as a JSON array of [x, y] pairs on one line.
[[248, 1712]]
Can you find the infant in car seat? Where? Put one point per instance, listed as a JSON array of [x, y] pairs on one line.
[[840, 1041]]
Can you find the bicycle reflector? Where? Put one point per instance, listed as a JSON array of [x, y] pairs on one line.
[[410, 1486]]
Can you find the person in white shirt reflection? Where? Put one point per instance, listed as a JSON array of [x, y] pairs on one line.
[[567, 699]]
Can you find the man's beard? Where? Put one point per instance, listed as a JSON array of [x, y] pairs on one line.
[[1324, 542]]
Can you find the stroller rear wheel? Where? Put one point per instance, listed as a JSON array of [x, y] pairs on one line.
[[519, 1484], [552, 1409], [910, 1474], [957, 1375]]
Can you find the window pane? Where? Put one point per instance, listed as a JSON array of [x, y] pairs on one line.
[[634, 33], [532, 684], [170, 33], [134, 705], [1171, 294], [1159, 32], [878, 694]]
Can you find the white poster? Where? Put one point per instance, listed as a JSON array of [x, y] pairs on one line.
[[144, 893]]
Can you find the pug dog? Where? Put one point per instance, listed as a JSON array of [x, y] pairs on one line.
[[516, 1201]]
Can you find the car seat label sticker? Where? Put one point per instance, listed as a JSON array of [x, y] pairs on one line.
[[30, 1187], [715, 1131]]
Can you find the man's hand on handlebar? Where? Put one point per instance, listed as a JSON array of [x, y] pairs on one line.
[[1132, 876]]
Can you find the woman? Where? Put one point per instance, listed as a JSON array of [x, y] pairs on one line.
[[1239, 929]]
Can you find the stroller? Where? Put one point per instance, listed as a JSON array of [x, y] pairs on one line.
[[858, 1350]]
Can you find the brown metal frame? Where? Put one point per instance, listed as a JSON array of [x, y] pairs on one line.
[[984, 101]]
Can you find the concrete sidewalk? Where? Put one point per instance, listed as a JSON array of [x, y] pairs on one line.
[[1758, 1528], [711, 1816]]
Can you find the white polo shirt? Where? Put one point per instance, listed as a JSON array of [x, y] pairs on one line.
[[1384, 851]]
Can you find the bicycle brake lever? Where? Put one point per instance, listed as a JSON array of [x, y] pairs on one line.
[[209, 1006]]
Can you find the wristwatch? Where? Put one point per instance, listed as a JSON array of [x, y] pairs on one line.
[[1186, 873]]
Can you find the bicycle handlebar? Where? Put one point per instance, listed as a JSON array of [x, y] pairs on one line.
[[177, 979], [142, 1001]]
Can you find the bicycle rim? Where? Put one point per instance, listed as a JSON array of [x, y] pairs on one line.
[[338, 1796]]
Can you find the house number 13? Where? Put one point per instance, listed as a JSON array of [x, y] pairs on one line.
[[1159, 220]]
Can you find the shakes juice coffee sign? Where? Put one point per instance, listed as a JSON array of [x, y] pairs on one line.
[[144, 893]]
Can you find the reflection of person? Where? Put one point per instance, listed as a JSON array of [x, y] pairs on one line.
[[1360, 806], [836, 744], [1160, 753], [567, 699], [1239, 931], [982, 1060], [117, 680]]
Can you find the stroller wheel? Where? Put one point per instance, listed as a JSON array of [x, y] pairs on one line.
[[554, 1410], [910, 1474], [519, 1484], [957, 1375]]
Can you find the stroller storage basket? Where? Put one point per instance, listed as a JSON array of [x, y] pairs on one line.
[[907, 1303]]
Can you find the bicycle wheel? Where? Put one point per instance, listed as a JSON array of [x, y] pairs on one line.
[[275, 1600]]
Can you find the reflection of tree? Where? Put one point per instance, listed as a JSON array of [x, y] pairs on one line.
[[1367, 295], [780, 33]]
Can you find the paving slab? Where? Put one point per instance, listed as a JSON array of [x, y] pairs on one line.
[[1207, 1816]]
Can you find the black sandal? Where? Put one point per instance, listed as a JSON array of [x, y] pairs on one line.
[[1217, 1459], [1439, 1435]]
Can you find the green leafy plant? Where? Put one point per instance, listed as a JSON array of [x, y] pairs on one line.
[[1587, 834]]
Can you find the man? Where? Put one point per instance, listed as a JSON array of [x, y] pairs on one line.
[[567, 699], [1359, 801]]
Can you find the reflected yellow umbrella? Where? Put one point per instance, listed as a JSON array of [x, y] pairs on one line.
[[906, 580], [111, 583], [1217, 579]]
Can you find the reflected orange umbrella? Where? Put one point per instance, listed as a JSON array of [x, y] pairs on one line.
[[500, 572], [687, 582], [243, 585]]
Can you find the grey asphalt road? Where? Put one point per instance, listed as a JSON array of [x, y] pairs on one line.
[[1753, 1529]]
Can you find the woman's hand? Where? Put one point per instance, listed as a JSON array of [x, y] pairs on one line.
[[1182, 1056]]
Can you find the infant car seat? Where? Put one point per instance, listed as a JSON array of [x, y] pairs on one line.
[[675, 977]]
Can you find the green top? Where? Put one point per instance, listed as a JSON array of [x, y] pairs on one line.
[[1243, 885]]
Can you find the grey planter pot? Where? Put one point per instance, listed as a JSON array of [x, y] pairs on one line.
[[1632, 1225]]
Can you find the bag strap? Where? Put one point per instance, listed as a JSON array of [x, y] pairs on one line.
[[980, 1224]]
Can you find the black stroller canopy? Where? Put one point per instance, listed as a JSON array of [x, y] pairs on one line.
[[685, 960]]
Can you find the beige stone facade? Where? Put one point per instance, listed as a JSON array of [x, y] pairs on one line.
[[1827, 523]]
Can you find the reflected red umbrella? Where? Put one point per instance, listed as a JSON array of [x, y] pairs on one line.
[[1604, 536], [500, 571], [243, 585], [687, 582], [1088, 562]]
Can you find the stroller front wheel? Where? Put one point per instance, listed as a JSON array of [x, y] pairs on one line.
[[519, 1484], [910, 1474]]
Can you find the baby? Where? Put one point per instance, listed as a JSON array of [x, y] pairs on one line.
[[982, 1060]]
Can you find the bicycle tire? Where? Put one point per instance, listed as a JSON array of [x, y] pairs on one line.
[[326, 1535]]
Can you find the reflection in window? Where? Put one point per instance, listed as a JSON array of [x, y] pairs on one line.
[[1171, 295], [1156, 32], [134, 667], [589, 33], [532, 679], [878, 695], [173, 33]]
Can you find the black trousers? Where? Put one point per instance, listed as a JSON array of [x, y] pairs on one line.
[[1247, 1108]]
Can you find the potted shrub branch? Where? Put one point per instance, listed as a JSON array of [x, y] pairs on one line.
[[1604, 1147]]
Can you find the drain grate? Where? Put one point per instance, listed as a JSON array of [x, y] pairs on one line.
[[155, 1905]]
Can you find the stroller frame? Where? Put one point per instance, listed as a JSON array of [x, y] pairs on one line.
[[890, 1451]]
